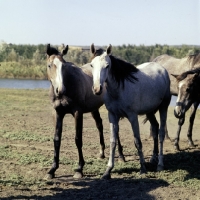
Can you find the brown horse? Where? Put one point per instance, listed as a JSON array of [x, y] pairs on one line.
[[177, 66], [71, 93], [188, 93]]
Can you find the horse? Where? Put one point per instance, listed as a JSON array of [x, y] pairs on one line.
[[188, 93], [131, 92], [70, 93], [177, 66]]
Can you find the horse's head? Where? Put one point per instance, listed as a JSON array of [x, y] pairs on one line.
[[100, 64], [54, 68], [187, 92]]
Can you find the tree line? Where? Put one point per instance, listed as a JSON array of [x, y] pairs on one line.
[[29, 61]]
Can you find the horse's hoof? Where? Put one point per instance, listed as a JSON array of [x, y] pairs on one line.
[[78, 175], [160, 168], [121, 159], [101, 156], [49, 176], [191, 144], [153, 160], [106, 177], [176, 147], [143, 170]]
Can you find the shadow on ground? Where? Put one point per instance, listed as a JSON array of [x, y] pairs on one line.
[[101, 189]]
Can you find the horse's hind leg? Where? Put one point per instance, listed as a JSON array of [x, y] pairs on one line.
[[192, 117], [133, 119], [154, 129], [163, 119], [79, 143], [99, 125]]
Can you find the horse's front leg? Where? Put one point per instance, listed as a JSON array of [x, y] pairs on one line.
[[78, 116], [114, 130], [57, 142], [192, 117], [99, 125], [176, 140]]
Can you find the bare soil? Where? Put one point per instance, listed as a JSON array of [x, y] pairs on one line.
[[20, 179]]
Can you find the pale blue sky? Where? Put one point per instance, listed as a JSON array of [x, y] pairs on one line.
[[102, 22]]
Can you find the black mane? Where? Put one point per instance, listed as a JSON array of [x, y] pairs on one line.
[[184, 74], [122, 70], [97, 52]]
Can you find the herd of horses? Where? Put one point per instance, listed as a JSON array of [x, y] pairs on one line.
[[127, 91]]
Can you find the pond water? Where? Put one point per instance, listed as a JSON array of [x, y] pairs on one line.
[[24, 84], [36, 84]]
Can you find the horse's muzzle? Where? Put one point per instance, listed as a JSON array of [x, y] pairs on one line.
[[178, 113], [97, 90], [59, 91]]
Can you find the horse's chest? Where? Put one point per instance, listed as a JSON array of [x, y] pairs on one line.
[[62, 103], [116, 106]]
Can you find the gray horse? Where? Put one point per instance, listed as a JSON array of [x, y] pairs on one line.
[[131, 92], [177, 66], [71, 93]]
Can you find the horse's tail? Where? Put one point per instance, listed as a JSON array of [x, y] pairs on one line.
[[146, 118]]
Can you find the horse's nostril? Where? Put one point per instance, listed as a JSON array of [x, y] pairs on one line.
[[57, 90]]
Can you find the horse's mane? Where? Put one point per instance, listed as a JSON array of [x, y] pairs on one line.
[[97, 52], [122, 70], [184, 74], [194, 58]]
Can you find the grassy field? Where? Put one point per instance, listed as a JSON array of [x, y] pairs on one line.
[[26, 153]]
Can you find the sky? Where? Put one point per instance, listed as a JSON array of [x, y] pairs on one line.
[[102, 22]]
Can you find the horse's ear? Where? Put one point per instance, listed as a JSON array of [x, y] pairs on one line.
[[109, 49], [92, 48], [174, 75], [51, 50], [65, 50], [48, 50]]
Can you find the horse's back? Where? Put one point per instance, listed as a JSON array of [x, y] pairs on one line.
[[153, 84], [148, 92], [173, 66]]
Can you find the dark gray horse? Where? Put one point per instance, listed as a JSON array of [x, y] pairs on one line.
[[178, 66], [131, 92], [188, 93]]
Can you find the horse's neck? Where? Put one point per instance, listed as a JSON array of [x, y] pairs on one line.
[[112, 87], [71, 74]]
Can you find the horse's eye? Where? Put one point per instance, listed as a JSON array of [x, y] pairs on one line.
[[188, 89], [91, 65]]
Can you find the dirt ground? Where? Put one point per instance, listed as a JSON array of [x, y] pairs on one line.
[[126, 183]]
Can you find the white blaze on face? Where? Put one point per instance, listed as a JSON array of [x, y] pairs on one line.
[[59, 77], [180, 99], [99, 65]]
